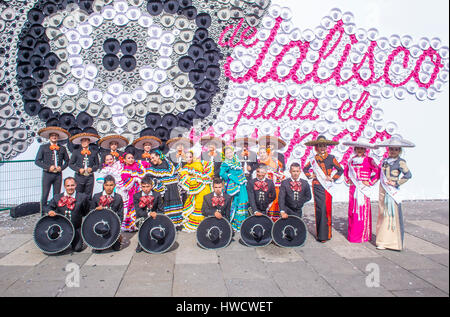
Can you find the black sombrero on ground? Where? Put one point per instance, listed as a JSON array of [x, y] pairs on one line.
[[256, 231], [290, 232], [53, 234], [157, 235], [213, 233], [101, 229]]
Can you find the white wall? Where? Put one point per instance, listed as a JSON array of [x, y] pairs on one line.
[[425, 123]]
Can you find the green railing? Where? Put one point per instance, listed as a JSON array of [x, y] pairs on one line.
[[20, 182]]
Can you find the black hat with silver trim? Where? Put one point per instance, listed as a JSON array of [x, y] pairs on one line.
[[101, 229], [213, 233], [157, 235], [290, 232], [256, 231], [53, 234]]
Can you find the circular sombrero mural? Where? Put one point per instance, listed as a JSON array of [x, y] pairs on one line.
[[229, 68]]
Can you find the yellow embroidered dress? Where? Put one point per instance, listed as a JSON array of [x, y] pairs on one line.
[[195, 179]]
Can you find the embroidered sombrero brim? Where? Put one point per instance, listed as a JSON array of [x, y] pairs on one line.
[[63, 134], [361, 143], [212, 140], [245, 142], [173, 143], [107, 140], [321, 140], [271, 140], [396, 141], [76, 139], [154, 142]]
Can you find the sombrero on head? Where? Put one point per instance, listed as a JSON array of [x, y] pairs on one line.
[[361, 142], [267, 140], [290, 232], [53, 234], [256, 231], [396, 141], [245, 142], [207, 140], [76, 139], [321, 140], [213, 233], [186, 142], [154, 142], [63, 134], [105, 142], [101, 229], [157, 235]]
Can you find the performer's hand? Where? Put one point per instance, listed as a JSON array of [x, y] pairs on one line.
[[366, 183], [81, 170], [51, 168], [392, 183], [58, 169], [284, 215], [218, 215], [249, 168], [329, 179], [313, 176], [152, 214], [259, 214], [99, 208], [51, 213], [89, 170]]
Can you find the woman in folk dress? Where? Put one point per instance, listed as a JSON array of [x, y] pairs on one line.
[[394, 173], [361, 173]]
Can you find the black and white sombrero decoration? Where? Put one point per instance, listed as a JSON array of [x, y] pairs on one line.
[[53, 234], [157, 235], [213, 233], [101, 229], [256, 231], [290, 232]]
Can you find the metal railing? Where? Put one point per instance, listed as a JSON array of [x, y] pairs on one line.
[[20, 182]]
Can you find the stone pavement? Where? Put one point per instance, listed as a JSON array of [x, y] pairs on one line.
[[337, 268]]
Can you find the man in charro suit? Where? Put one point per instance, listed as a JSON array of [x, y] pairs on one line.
[[74, 206], [84, 162], [53, 159], [217, 203], [261, 192], [294, 193]]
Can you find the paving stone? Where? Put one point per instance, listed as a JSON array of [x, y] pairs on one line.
[[354, 285], [189, 252], [407, 259], [240, 265], [327, 262], [13, 241], [299, 280], [199, 280], [109, 257], [392, 276], [426, 292], [148, 275], [345, 249], [253, 288], [426, 230], [438, 278], [439, 258], [275, 254], [3, 254], [28, 255], [10, 274], [32, 288], [421, 246], [96, 281]]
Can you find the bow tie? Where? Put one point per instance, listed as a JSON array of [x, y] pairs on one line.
[[261, 185], [145, 155], [146, 201], [67, 201], [218, 201], [54, 147], [106, 200], [114, 153], [85, 152], [296, 186]]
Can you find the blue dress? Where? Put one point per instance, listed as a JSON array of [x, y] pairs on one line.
[[236, 186]]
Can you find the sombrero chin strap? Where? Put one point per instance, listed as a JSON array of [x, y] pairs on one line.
[[289, 232], [259, 232]]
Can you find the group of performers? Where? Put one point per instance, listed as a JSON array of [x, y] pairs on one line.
[[228, 181]]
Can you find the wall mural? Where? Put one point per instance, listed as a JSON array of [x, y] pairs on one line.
[[228, 68]]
